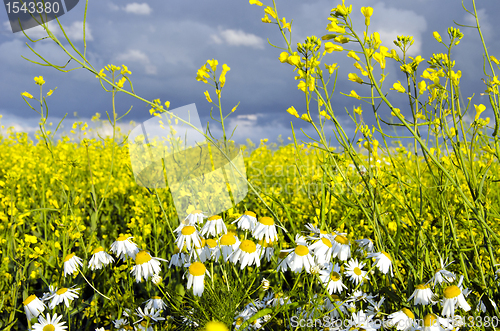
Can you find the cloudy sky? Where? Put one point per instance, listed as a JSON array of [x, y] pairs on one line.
[[164, 43]]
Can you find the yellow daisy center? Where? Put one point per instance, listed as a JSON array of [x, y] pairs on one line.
[[215, 326], [408, 313], [97, 250], [357, 271], [451, 292], [211, 243], [213, 218], [301, 250], [388, 256], [188, 230], [342, 240], [227, 240], [29, 299], [62, 291], [266, 221], [196, 212], [142, 257], [335, 276], [122, 238], [68, 257], [326, 241], [430, 320], [422, 287], [250, 213], [49, 327], [248, 246], [197, 269]]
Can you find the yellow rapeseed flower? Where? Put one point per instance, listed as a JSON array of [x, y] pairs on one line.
[[255, 2], [27, 95], [331, 47], [39, 80], [270, 11], [208, 97], [367, 12], [398, 87], [354, 78], [479, 110]]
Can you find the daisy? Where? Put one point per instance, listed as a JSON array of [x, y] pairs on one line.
[[365, 245], [63, 295], [403, 319], [247, 253], [433, 322], [196, 276], [359, 295], [342, 247], [202, 252], [188, 237], [383, 262], [33, 306], [124, 247], [453, 295], [314, 229], [323, 249], [211, 247], [178, 259], [156, 303], [145, 266], [443, 275], [156, 279], [47, 295], [148, 315], [268, 249], [265, 228], [300, 258], [332, 279], [374, 308], [422, 295], [99, 259], [265, 284], [71, 262], [121, 324], [355, 272], [228, 243], [49, 323], [214, 226], [196, 216], [247, 221]]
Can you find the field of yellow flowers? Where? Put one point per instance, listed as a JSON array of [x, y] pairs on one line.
[[378, 233]]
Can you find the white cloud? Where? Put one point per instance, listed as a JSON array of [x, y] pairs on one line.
[[74, 31], [136, 55], [238, 38], [396, 22], [138, 8]]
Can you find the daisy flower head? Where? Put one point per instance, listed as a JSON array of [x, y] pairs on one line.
[[188, 237], [196, 277], [99, 259], [214, 226], [355, 271], [365, 245], [334, 307], [63, 295], [315, 231], [332, 279], [202, 252], [248, 253], [121, 324], [156, 279], [155, 303], [403, 319], [268, 249], [300, 258], [422, 295], [247, 221], [453, 295], [196, 216], [443, 275], [265, 284], [265, 228], [33, 306], [228, 243], [148, 315], [145, 266], [433, 322], [71, 262], [178, 258], [124, 247], [342, 247], [383, 262], [323, 249], [49, 323]]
